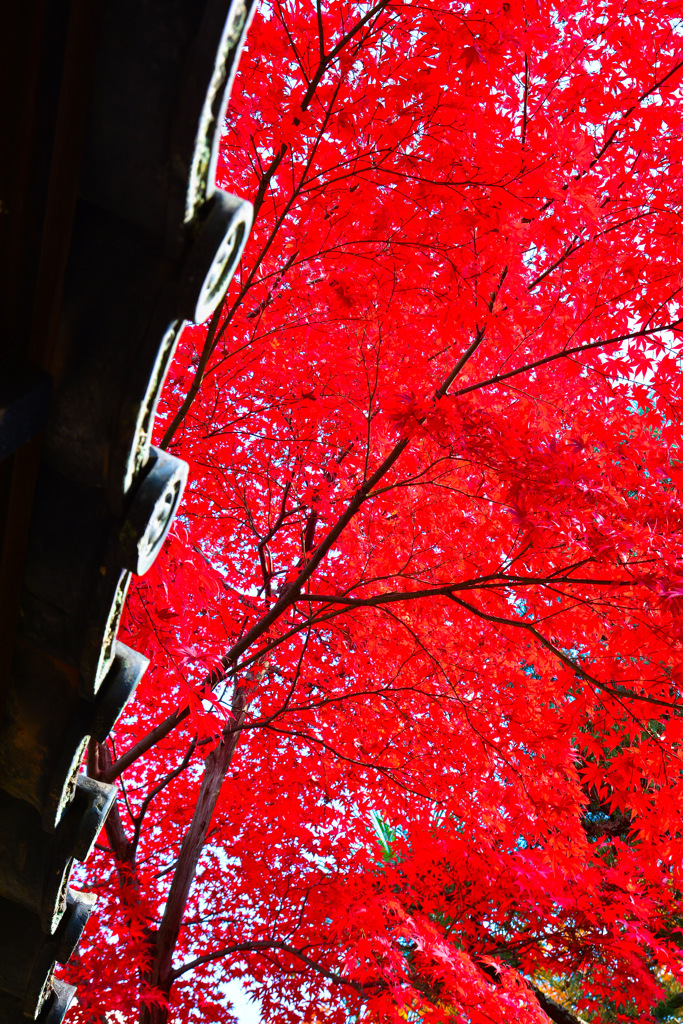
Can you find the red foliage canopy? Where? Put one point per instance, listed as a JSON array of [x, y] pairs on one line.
[[411, 735]]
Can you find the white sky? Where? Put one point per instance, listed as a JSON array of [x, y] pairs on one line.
[[246, 1010]]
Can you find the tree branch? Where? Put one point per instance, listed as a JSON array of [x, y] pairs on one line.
[[217, 763], [268, 944], [558, 1014], [566, 353]]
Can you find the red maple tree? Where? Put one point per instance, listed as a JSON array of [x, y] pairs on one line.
[[410, 742]]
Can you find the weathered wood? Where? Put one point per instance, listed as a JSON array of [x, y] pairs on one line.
[[35, 865], [58, 1001], [133, 242], [47, 724], [27, 955]]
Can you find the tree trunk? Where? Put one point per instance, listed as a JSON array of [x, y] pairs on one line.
[[217, 763]]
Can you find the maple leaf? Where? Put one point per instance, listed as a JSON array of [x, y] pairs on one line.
[[424, 407], [473, 55], [405, 410]]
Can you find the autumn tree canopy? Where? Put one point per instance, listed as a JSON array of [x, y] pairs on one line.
[[409, 746]]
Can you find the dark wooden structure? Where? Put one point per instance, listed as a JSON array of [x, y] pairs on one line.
[[112, 235]]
